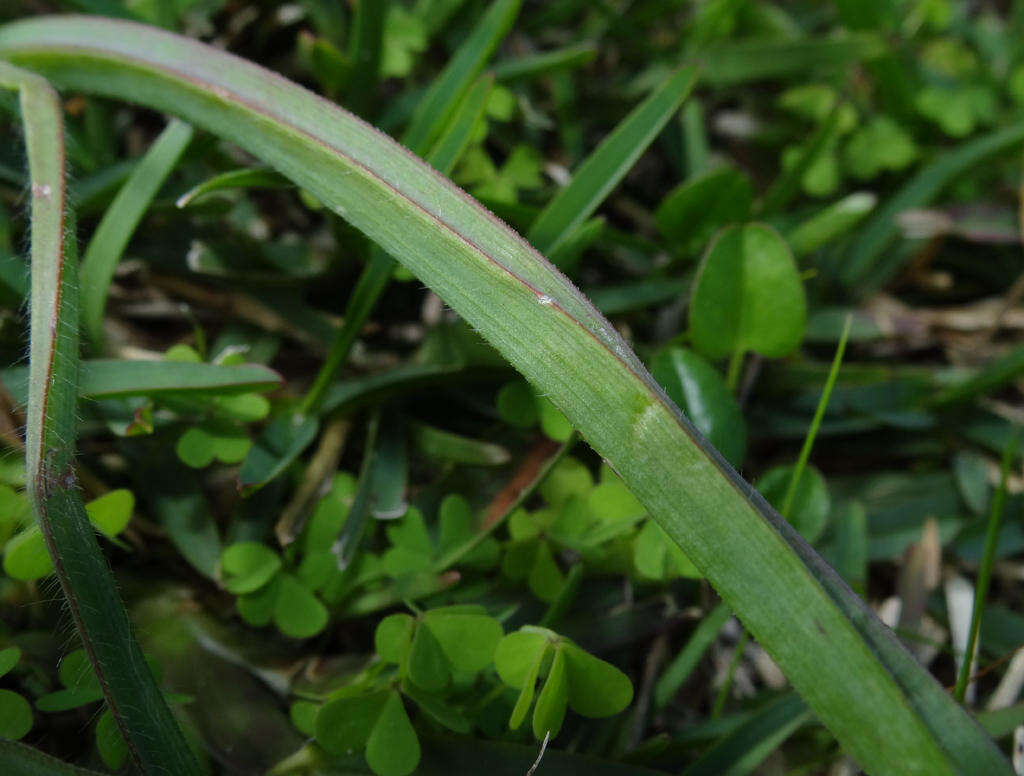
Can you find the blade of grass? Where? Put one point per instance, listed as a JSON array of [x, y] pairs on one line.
[[861, 267], [245, 178], [120, 221], [819, 414], [106, 379], [995, 516], [364, 50], [136, 702], [793, 603], [607, 165], [543, 64], [743, 750], [761, 59], [787, 185], [991, 377], [433, 111], [682, 666], [21, 760]]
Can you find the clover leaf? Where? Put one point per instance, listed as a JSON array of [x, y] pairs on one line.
[[572, 677], [25, 554], [15, 711], [430, 649], [748, 295], [199, 446], [375, 722], [248, 566]]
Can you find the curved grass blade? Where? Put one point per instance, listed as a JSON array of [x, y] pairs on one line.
[[608, 164], [861, 265], [762, 59], [791, 601], [245, 178], [120, 221], [109, 378], [747, 747], [153, 737], [433, 111], [544, 64], [20, 760]]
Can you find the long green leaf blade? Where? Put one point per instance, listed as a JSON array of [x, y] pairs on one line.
[[446, 91], [796, 606], [861, 266], [119, 223], [110, 378], [132, 694], [613, 158]]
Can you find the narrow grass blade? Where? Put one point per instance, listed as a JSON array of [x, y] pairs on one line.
[[446, 91], [21, 760], [549, 62], [119, 223], [153, 737], [683, 664], [364, 52], [245, 178], [819, 414], [108, 379], [991, 377], [861, 265], [995, 516], [608, 164], [791, 601], [787, 185], [762, 59], [742, 751], [830, 222]]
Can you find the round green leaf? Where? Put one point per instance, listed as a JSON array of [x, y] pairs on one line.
[[699, 391], [569, 477], [517, 652], [517, 405], [545, 577], [15, 715], [748, 295], [552, 422], [808, 513], [551, 703], [111, 512], [199, 446], [692, 212], [258, 608], [392, 637], [9, 658], [110, 742], [248, 566], [317, 569], [612, 502], [428, 665], [297, 612], [393, 748], [344, 723], [596, 688], [303, 716], [76, 672], [468, 640], [26, 557], [656, 556]]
